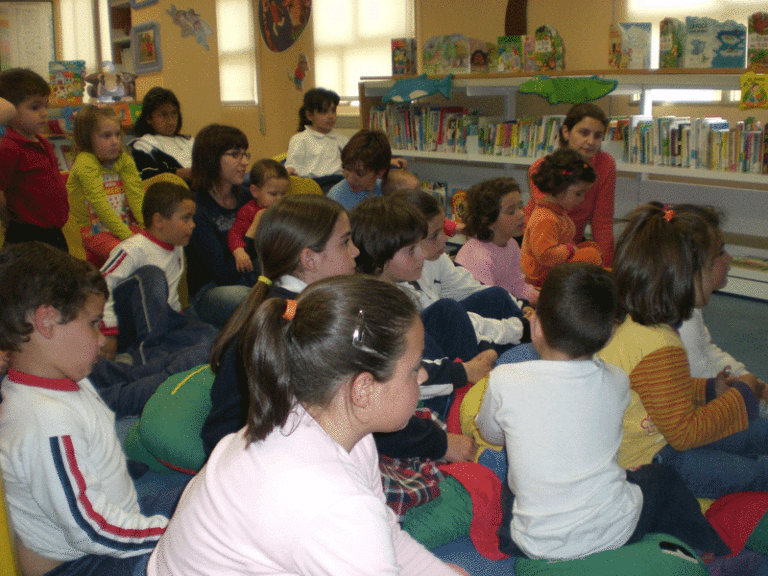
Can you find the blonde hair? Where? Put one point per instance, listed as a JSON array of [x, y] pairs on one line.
[[87, 122]]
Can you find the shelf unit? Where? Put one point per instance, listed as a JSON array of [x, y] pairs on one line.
[[636, 183]]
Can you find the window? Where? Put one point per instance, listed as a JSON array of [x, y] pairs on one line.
[[236, 40], [353, 39], [76, 43]]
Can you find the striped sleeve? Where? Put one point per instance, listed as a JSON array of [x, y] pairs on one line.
[[676, 404], [119, 266], [89, 521]]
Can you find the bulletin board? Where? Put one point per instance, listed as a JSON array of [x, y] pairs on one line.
[[26, 36]]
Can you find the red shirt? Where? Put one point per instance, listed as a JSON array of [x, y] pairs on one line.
[[29, 176], [243, 221]]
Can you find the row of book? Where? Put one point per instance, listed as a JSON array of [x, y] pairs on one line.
[[708, 143]]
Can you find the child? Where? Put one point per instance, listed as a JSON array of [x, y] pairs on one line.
[[582, 131], [298, 490], [72, 502], [315, 151], [105, 191], [564, 177], [495, 316], [159, 147], [33, 198], [268, 183], [666, 265], [143, 274], [494, 217], [365, 159], [560, 418]]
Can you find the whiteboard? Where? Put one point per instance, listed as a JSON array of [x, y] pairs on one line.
[[26, 36]]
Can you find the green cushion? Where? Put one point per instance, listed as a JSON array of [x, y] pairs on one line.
[[442, 520], [758, 539], [167, 436], [654, 555]]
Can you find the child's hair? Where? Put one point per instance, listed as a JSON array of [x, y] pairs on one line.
[[266, 168], [577, 113], [291, 224], [210, 144], [659, 258], [153, 99], [484, 205], [561, 169], [87, 122], [369, 148], [380, 227], [577, 308], [36, 274], [343, 326], [18, 84], [163, 198], [316, 100], [423, 201], [400, 180]]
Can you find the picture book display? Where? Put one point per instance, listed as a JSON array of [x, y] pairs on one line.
[[713, 44], [403, 56], [671, 43], [446, 54], [483, 56], [510, 57], [548, 51], [67, 79], [757, 41], [630, 45]]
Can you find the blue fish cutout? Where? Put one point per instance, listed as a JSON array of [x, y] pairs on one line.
[[409, 89], [572, 90]]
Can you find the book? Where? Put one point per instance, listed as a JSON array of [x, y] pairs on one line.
[[757, 41], [446, 55], [440, 191], [67, 79], [630, 45], [713, 44], [403, 56], [548, 50], [671, 43], [483, 56], [458, 205], [510, 54]]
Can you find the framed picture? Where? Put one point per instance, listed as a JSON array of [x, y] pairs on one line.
[[136, 4], [145, 42]]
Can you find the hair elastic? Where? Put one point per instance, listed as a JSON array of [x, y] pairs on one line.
[[290, 310], [669, 214], [265, 280]]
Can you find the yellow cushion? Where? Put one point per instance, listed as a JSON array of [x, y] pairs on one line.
[[301, 185], [470, 406]]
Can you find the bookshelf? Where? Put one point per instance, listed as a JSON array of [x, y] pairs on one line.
[[741, 195]]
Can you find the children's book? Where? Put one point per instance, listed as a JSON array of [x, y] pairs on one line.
[[757, 41], [403, 56], [440, 191], [510, 49], [713, 44], [730, 45], [458, 205], [630, 45], [67, 81], [446, 55], [671, 43], [483, 56], [548, 50]]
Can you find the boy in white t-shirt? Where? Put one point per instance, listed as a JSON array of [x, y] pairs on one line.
[[561, 420]]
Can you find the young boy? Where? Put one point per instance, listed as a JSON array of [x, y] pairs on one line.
[[143, 312], [33, 197], [561, 420], [365, 161], [71, 500]]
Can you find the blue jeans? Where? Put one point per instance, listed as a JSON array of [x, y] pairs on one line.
[[521, 353], [736, 463], [215, 304]]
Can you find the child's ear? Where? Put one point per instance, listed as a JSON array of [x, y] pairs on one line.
[[157, 221], [45, 319], [362, 390], [254, 189]]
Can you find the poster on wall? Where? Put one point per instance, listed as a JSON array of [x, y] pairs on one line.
[[191, 24], [282, 22]]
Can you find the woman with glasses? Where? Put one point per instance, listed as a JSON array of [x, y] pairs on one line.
[[219, 162]]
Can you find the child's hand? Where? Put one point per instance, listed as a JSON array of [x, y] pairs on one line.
[[109, 349], [400, 163], [460, 448], [528, 313], [480, 365], [757, 386], [459, 228], [242, 260], [721, 381], [185, 173], [291, 171]]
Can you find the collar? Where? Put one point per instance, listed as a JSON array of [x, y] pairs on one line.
[[14, 136], [320, 135], [291, 283], [164, 245], [60, 384], [551, 205]]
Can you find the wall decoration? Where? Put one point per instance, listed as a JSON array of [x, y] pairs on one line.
[[302, 67], [111, 84], [572, 90], [282, 22], [409, 89], [191, 25], [145, 42], [136, 4]]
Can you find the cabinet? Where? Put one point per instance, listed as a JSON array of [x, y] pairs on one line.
[[742, 196], [120, 34]]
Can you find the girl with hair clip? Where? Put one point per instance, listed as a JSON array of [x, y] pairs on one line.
[[582, 131], [298, 489], [219, 160], [564, 176], [159, 147], [667, 264]]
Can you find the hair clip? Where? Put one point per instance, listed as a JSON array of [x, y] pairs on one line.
[[265, 280], [357, 333], [290, 310], [669, 214], [566, 172]]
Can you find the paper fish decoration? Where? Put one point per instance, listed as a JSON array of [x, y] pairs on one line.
[[571, 90], [409, 89]]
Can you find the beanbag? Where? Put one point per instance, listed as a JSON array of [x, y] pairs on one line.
[[470, 406], [167, 436], [442, 520], [654, 555], [741, 520]]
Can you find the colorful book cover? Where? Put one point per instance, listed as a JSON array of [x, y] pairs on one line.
[[67, 79], [483, 57], [671, 43], [548, 49], [440, 191], [446, 54], [458, 205], [730, 45], [630, 45], [757, 41], [403, 56], [713, 44], [510, 50]]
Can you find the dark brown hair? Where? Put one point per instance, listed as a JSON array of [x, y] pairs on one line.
[[369, 148], [266, 168], [87, 122], [210, 144], [153, 99], [484, 205], [561, 169], [18, 84], [316, 100], [577, 113], [163, 198], [424, 202]]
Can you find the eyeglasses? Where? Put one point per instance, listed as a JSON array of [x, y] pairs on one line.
[[238, 154]]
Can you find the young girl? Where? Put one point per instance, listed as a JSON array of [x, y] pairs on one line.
[[105, 191], [666, 264], [268, 183], [298, 490], [564, 176], [159, 147], [219, 161], [494, 218], [583, 130], [315, 151]]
